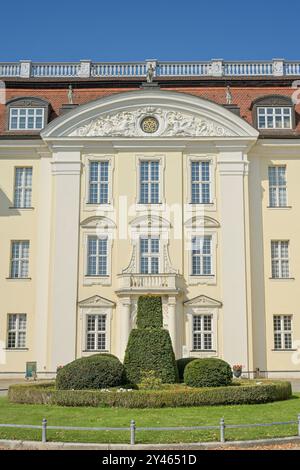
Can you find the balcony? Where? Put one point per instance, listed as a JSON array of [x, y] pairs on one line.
[[169, 283]]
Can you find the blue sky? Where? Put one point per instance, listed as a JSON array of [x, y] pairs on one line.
[[104, 30]]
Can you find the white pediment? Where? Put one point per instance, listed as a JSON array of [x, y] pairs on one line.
[[121, 115], [96, 301], [199, 222], [171, 123], [203, 301]]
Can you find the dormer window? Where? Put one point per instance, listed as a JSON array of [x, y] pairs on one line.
[[27, 114], [26, 118], [273, 112], [274, 117]]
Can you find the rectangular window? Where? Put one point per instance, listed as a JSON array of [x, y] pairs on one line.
[[98, 182], [202, 332], [149, 182], [280, 259], [16, 331], [149, 255], [23, 187], [274, 117], [202, 256], [201, 182], [277, 186], [97, 256], [19, 259], [282, 331], [26, 118], [96, 333]]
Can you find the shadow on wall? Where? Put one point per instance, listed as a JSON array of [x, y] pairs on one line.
[[5, 205]]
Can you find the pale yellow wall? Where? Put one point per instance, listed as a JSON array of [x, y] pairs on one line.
[[17, 295], [265, 297], [279, 296]]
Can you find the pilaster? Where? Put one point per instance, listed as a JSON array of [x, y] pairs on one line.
[[66, 168], [233, 167]]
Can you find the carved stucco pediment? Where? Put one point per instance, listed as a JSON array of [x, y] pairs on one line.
[[98, 222], [171, 123], [150, 221], [96, 301], [198, 222], [203, 301]]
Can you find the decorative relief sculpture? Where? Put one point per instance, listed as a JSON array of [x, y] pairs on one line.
[[171, 124]]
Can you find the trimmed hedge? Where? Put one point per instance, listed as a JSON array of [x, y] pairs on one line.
[[181, 396], [92, 372], [149, 346], [150, 349], [149, 312], [181, 365], [208, 372]]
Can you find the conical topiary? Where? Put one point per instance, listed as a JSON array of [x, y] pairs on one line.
[[149, 345]]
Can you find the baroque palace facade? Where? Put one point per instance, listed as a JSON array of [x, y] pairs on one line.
[[172, 179]]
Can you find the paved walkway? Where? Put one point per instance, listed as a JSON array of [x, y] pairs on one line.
[[5, 383], [288, 443]]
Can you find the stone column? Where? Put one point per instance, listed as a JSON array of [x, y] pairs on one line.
[[66, 168], [172, 324], [125, 324], [233, 167]]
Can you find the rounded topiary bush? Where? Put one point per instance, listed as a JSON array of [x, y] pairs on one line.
[[181, 365], [97, 371], [208, 372]]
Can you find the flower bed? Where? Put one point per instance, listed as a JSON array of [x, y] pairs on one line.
[[246, 392]]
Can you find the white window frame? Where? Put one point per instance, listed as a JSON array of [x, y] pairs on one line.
[[17, 330], [95, 332], [150, 254], [190, 312], [26, 128], [202, 279], [283, 332], [201, 182], [280, 259], [265, 108], [97, 230], [202, 331], [212, 206], [161, 205], [23, 188], [101, 280], [99, 310], [20, 260], [202, 256], [98, 255], [99, 158], [277, 187]]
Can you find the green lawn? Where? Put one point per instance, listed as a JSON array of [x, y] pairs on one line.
[[196, 416]]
